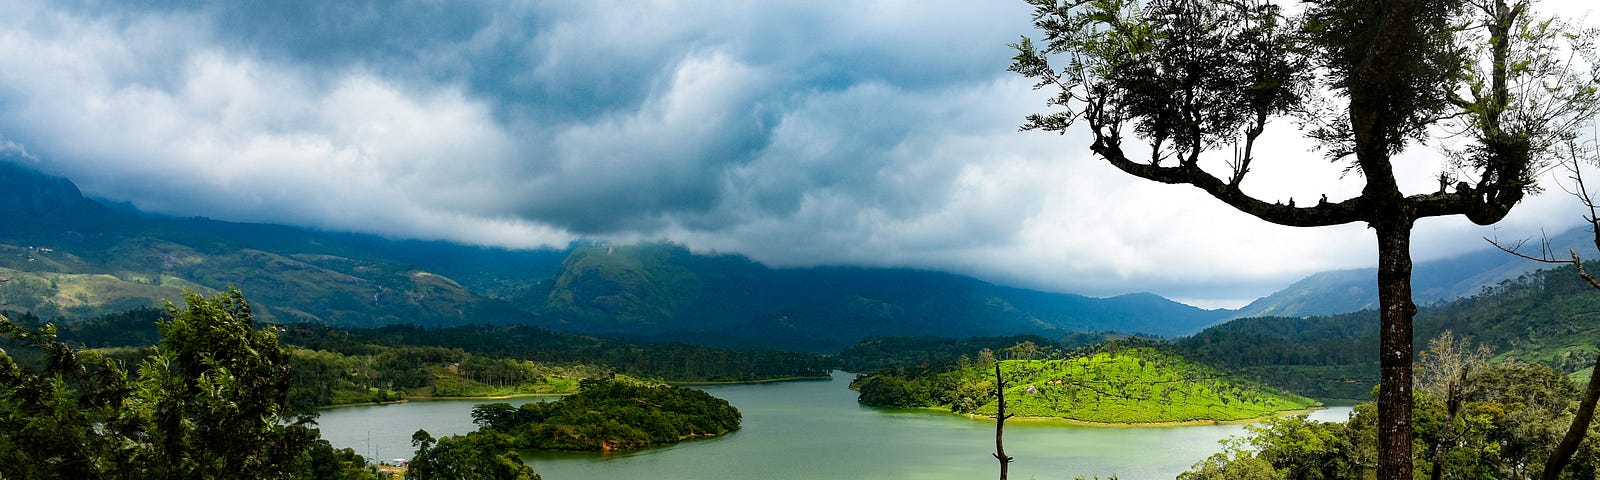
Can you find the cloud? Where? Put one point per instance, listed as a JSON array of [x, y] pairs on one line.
[[800, 133]]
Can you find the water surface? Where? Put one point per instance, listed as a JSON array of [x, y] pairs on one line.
[[816, 430]]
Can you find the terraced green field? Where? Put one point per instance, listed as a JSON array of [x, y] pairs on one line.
[[1115, 385]]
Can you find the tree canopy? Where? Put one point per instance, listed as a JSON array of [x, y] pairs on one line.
[[211, 401]]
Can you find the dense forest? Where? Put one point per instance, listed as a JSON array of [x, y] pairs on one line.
[[213, 401], [1550, 317], [608, 415], [333, 366], [1116, 382], [1509, 417]]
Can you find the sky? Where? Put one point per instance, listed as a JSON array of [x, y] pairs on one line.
[[870, 133]]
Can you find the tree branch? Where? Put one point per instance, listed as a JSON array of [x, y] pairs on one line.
[[1321, 214]]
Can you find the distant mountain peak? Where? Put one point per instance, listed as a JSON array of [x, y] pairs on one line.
[[25, 191]]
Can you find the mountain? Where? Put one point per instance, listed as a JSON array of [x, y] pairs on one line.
[[63, 254], [668, 292], [1435, 281], [1548, 316]]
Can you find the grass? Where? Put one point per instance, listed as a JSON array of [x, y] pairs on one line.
[[1134, 385]]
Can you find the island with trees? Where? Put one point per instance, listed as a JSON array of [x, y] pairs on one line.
[[611, 415]]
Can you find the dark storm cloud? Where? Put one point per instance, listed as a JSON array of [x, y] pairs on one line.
[[799, 133]]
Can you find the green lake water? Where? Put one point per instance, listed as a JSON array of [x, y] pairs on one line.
[[815, 430]]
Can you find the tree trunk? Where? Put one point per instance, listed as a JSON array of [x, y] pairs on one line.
[[1000, 424], [1580, 425], [1395, 347]]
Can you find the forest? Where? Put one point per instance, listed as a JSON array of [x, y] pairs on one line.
[[337, 366], [1547, 317]]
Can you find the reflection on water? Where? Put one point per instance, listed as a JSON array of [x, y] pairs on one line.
[[815, 430]]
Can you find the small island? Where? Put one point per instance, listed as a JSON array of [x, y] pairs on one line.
[[611, 415], [1113, 384]]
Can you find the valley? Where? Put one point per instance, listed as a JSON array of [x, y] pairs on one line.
[[367, 322]]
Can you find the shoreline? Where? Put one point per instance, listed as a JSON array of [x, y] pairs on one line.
[[1085, 423], [751, 382], [433, 399], [539, 395]]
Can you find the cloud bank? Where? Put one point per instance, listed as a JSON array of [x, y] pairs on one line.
[[877, 133]]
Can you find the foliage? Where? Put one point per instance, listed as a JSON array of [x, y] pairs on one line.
[[210, 402], [334, 366], [676, 362], [1116, 384], [1512, 415], [610, 415], [1546, 317], [475, 456]]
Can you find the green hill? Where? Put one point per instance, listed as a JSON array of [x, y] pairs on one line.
[[1112, 385], [1550, 317]]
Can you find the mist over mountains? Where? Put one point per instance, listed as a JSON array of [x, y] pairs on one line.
[[64, 255]]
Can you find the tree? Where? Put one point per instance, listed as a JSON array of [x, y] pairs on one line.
[[1443, 373], [479, 455], [1000, 417], [210, 402], [1198, 79]]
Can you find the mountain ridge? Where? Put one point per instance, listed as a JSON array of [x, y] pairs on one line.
[[64, 254], [1442, 280]]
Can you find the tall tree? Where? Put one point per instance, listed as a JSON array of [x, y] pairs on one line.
[[1194, 80]]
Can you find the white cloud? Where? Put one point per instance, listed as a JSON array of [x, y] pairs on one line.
[[799, 133]]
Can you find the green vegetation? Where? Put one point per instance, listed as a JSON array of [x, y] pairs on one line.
[[211, 401], [475, 456], [1511, 416], [1550, 317], [1115, 383], [334, 366], [673, 362], [610, 415], [64, 255]]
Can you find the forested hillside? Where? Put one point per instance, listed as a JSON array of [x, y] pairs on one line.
[[64, 255], [667, 292], [1434, 281], [1551, 317]]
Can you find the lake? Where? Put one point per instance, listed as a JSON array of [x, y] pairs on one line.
[[815, 430]]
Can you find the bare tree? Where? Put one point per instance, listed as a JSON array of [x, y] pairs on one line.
[[1443, 373], [1000, 417], [1199, 79]]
